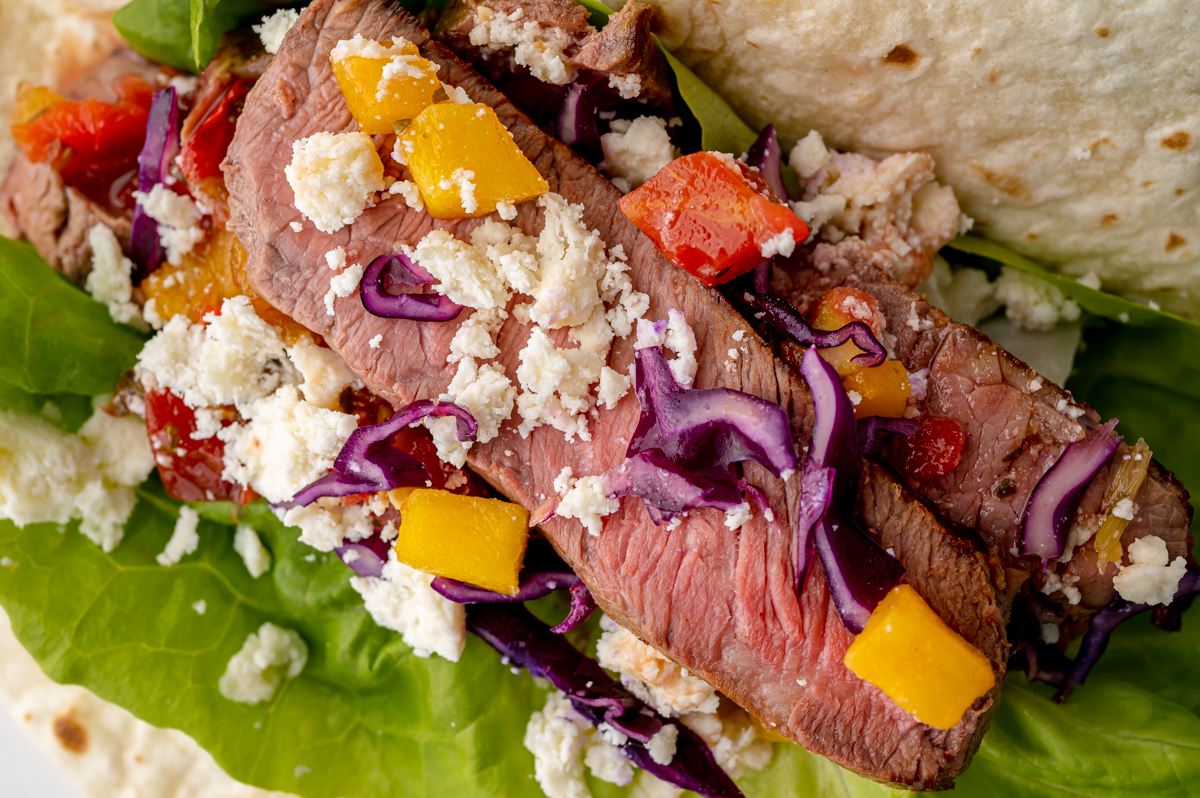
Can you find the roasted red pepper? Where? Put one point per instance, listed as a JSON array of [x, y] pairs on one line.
[[91, 143], [204, 146], [711, 217], [190, 469], [934, 450]]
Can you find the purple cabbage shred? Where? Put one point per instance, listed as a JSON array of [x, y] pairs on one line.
[[528, 643], [400, 269], [368, 463], [154, 167], [576, 123], [787, 320], [766, 156], [870, 429]]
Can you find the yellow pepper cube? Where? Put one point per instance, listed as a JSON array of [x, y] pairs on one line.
[[465, 161], [474, 540], [384, 82], [882, 390], [922, 664]]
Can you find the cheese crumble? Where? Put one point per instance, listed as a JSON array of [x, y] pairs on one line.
[[184, 539], [274, 27], [635, 151], [403, 601], [111, 279], [178, 220], [334, 177], [253, 553], [1148, 579], [265, 659], [650, 676], [585, 498], [539, 48]]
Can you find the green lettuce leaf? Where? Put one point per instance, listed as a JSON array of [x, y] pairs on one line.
[[159, 30], [57, 339], [1137, 364]]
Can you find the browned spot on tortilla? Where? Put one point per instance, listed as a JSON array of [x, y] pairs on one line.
[[1031, 236], [28, 717], [71, 735], [1175, 241], [1008, 184], [1109, 220], [1147, 184], [1177, 141], [1102, 33], [976, 51], [1179, 192], [991, 74], [901, 55]]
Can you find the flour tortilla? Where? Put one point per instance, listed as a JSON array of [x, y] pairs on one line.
[[1069, 130], [101, 748]]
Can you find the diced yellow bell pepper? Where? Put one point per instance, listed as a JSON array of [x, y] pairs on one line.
[[1128, 479], [836, 308], [464, 161], [33, 101], [883, 390], [388, 82], [474, 540], [922, 664]]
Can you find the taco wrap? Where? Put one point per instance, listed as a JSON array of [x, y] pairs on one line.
[[370, 359]]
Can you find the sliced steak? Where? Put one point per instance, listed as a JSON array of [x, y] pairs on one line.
[[720, 602], [1017, 425], [622, 50]]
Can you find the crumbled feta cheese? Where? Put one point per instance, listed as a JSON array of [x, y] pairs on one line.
[[556, 386], [1064, 583], [1123, 317], [325, 374], [556, 737], [343, 285], [236, 359], [650, 334], [661, 746], [334, 177], [628, 86], [457, 95], [466, 189], [572, 264], [326, 524], [477, 336], [1123, 509], [1050, 633], [536, 47], [178, 219], [1089, 280], [403, 601], [506, 210], [1148, 579], [782, 244], [855, 397], [47, 475], [1032, 303], [200, 607], [274, 27], [1035, 384], [265, 659], [652, 677], [183, 84], [738, 516], [585, 498], [184, 539], [734, 739], [254, 554], [286, 444], [809, 156], [606, 761], [613, 386], [410, 192], [739, 335], [110, 280], [7, 562], [336, 259], [463, 273], [635, 151], [297, 227], [682, 341], [376, 341], [484, 392]]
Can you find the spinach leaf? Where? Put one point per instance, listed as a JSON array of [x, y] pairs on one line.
[[721, 130], [67, 411], [1137, 364], [210, 19], [159, 30], [56, 338]]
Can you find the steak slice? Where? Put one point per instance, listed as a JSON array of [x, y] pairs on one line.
[[1017, 424], [720, 602]]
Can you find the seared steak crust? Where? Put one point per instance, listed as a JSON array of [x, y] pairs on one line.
[[1017, 426], [720, 602]]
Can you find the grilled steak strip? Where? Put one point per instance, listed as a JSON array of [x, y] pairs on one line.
[[720, 602], [1017, 425]]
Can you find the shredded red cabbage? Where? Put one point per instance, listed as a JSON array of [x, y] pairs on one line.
[[816, 492], [680, 455], [368, 463], [577, 123], [533, 587], [402, 269], [1057, 495], [859, 571], [766, 156], [154, 167], [528, 643], [365, 557], [1104, 623], [869, 430], [785, 318]]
